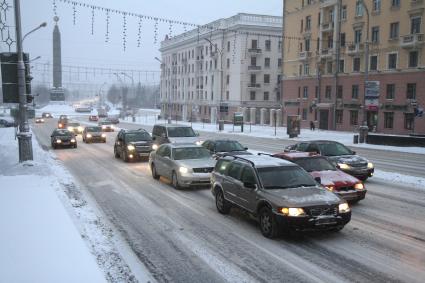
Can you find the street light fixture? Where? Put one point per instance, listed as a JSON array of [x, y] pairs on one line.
[[34, 59], [42, 25]]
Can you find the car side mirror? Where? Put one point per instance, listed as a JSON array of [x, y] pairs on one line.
[[245, 148], [250, 185], [318, 180], [197, 134], [163, 135], [353, 152]]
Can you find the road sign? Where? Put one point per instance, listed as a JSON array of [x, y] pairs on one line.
[[372, 89]]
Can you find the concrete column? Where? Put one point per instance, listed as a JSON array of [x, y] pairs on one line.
[[279, 117], [272, 117], [263, 113], [246, 114], [213, 115], [184, 113], [253, 116]]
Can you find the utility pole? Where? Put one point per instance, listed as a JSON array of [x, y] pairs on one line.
[[364, 128], [24, 135]]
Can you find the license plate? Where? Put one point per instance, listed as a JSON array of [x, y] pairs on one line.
[[326, 221], [144, 154], [66, 143]]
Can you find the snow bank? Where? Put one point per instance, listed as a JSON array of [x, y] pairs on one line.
[[395, 178]]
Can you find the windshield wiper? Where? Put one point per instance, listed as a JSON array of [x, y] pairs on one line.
[[276, 187], [304, 185]]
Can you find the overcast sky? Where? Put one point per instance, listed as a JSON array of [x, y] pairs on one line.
[[79, 47]]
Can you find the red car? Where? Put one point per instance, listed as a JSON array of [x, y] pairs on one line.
[[335, 180], [93, 118]]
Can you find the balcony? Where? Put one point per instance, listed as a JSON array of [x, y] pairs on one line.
[[412, 40], [255, 51], [254, 68], [327, 27], [304, 55], [415, 3], [254, 86], [326, 53], [354, 49], [327, 3]]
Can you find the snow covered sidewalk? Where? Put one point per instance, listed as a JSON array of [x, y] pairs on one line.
[[50, 232]]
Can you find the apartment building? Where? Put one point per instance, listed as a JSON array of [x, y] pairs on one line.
[[324, 74], [227, 66]]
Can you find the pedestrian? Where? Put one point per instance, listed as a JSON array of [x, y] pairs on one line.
[[312, 126]]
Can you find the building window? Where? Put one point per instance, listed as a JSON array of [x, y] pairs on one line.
[[375, 34], [299, 92], [253, 61], [340, 92], [304, 117], [279, 63], [413, 59], [266, 96], [306, 69], [266, 62], [342, 39], [308, 23], [279, 45], [305, 92], [328, 92], [316, 92], [394, 30], [228, 79], [355, 92], [227, 95], [252, 95], [395, 3], [254, 44], [409, 121], [357, 36], [411, 91], [268, 45], [266, 78], [344, 13], [392, 61], [339, 116], [359, 8], [228, 63], [228, 46], [329, 67], [388, 120], [356, 64], [307, 45], [354, 117], [415, 25], [376, 6], [374, 63], [253, 78], [390, 91], [341, 66]]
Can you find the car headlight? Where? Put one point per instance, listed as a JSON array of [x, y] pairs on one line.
[[359, 186], [103, 136], [58, 141], [70, 129], [183, 170], [344, 166], [131, 147], [292, 211], [80, 129], [72, 140], [343, 208], [89, 136], [104, 127], [199, 142], [42, 120], [370, 165], [60, 125], [154, 146], [330, 188]]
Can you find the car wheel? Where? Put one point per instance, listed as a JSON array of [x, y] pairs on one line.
[[337, 229], [54, 146], [154, 173], [363, 178], [116, 153], [124, 157], [268, 224], [75, 146], [175, 181], [223, 206]]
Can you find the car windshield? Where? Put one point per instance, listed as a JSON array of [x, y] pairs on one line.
[[315, 164], [228, 146], [180, 132], [94, 129], [104, 123], [62, 133], [73, 124], [283, 177], [190, 153], [334, 149], [135, 137]]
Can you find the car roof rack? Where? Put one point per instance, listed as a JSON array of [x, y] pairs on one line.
[[238, 157]]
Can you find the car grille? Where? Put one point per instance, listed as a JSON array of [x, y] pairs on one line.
[[143, 148], [320, 211], [203, 170], [358, 165], [345, 189]]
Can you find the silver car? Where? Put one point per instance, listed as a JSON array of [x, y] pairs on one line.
[[186, 165]]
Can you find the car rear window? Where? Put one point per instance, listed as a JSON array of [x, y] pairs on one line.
[[180, 132]]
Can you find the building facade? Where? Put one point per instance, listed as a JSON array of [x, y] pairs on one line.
[[229, 65], [328, 44]]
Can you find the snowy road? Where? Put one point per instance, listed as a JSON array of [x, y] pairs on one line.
[[180, 237]]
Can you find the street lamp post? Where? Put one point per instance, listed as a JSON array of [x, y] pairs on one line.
[[100, 101], [24, 136], [132, 84], [220, 50], [124, 99], [364, 128], [42, 25]]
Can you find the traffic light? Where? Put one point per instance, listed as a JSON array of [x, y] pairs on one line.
[[9, 73], [30, 98]]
